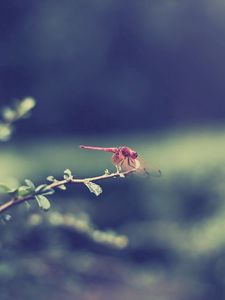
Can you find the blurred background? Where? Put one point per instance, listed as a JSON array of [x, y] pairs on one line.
[[148, 74]]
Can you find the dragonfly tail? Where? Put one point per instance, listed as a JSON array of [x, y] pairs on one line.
[[112, 150]]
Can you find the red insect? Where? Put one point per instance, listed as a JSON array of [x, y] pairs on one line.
[[125, 159]]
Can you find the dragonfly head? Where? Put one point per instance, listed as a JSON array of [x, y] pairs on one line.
[[128, 152]]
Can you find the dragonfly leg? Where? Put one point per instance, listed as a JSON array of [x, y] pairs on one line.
[[118, 169], [129, 163]]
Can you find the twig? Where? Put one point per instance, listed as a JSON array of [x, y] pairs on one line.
[[18, 200]]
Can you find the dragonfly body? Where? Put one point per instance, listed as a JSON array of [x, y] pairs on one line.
[[109, 149], [123, 157]]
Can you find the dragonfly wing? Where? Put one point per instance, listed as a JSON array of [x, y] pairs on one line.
[[153, 170], [129, 164], [123, 162], [134, 163], [150, 170]]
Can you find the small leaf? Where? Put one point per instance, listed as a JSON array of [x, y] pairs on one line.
[[4, 189], [43, 202], [8, 114], [62, 187], [50, 178], [7, 217], [41, 187], [93, 187], [27, 204], [24, 106], [107, 172], [5, 132], [24, 190], [30, 184], [44, 189], [49, 192], [68, 174]]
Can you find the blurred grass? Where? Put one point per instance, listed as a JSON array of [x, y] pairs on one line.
[[175, 224], [192, 164], [187, 151]]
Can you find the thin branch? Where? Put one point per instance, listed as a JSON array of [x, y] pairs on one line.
[[18, 200]]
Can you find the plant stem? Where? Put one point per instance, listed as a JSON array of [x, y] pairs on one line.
[[18, 200]]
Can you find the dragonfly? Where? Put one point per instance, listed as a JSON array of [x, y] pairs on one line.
[[126, 159]]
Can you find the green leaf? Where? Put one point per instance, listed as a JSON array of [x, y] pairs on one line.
[[24, 190], [50, 178], [44, 189], [8, 114], [24, 107], [62, 187], [43, 202], [27, 204], [30, 184], [68, 174], [48, 192], [93, 187], [41, 187], [5, 132], [4, 189], [7, 217]]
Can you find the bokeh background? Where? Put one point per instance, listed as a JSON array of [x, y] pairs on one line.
[[148, 74]]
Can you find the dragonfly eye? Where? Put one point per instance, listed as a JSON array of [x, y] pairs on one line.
[[125, 152], [134, 155]]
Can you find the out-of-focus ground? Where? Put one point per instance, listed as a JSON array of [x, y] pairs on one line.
[[175, 224]]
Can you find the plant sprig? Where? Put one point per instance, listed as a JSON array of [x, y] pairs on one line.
[[10, 114], [29, 191]]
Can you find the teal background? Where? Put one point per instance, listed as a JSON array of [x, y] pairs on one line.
[[146, 74]]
